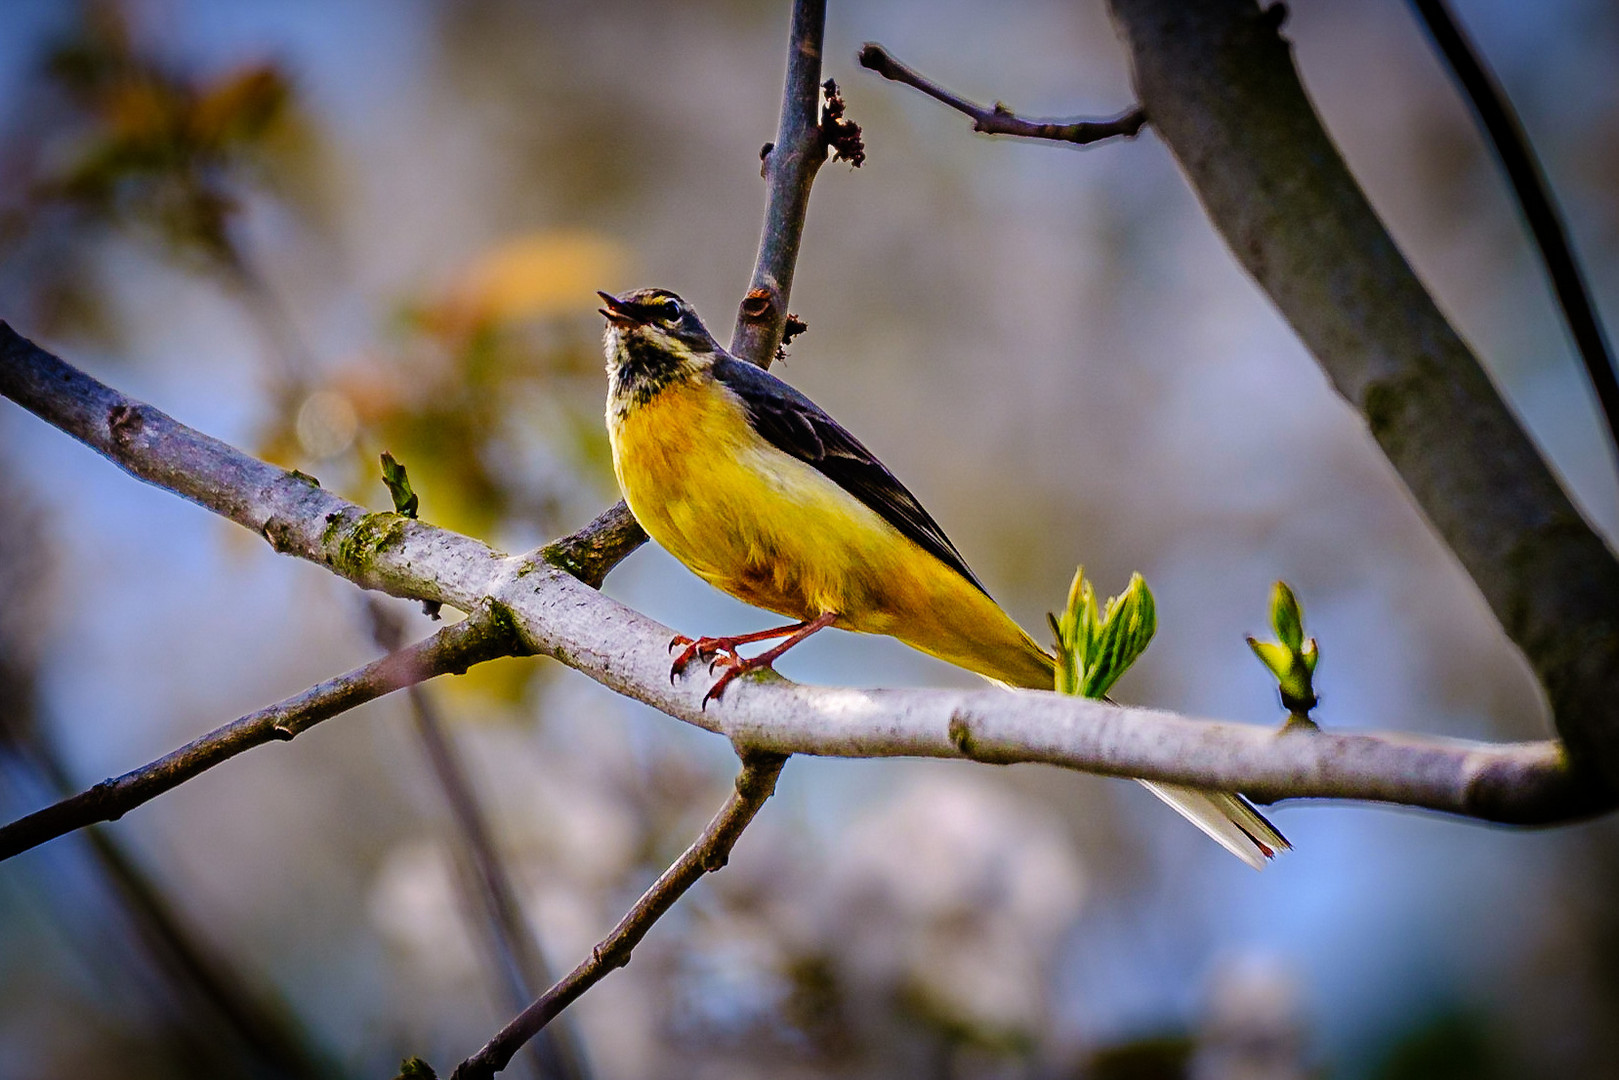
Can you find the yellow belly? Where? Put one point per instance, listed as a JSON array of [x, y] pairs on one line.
[[774, 532]]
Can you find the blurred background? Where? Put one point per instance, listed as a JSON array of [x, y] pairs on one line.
[[321, 231]]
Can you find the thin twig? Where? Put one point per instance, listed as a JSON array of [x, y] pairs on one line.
[[790, 167], [997, 119], [515, 955], [754, 785], [1505, 134], [452, 649]]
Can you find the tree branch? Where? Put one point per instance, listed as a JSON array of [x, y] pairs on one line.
[[755, 784], [452, 649], [998, 119], [1220, 85], [790, 167], [1505, 135], [557, 615]]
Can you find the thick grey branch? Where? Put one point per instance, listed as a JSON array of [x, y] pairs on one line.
[[557, 615], [452, 649], [998, 119], [754, 785], [1220, 85]]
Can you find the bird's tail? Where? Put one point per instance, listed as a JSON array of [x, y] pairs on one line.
[[1228, 818]]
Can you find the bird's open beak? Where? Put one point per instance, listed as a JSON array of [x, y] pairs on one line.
[[621, 313]]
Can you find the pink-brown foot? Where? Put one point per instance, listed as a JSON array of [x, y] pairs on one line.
[[712, 648], [708, 648], [737, 665]]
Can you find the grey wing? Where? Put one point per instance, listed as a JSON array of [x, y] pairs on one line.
[[795, 425]]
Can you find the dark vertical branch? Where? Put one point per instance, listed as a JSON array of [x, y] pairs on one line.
[[1505, 134], [754, 784], [515, 955], [790, 169]]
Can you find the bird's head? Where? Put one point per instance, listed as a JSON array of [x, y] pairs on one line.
[[653, 332]]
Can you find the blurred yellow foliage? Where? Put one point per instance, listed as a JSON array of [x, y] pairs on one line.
[[540, 274]]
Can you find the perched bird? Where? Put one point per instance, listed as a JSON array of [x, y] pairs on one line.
[[764, 496]]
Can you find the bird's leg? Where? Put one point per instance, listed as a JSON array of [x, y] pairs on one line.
[[736, 665], [710, 648]]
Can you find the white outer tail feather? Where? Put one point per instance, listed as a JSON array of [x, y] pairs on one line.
[[1226, 818], [1230, 820]]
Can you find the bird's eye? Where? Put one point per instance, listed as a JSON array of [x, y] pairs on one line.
[[671, 310]]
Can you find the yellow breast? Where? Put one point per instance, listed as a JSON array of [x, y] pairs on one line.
[[741, 514], [776, 533]]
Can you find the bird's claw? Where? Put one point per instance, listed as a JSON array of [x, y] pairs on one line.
[[711, 649], [735, 666]]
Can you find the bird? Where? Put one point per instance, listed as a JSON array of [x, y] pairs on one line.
[[760, 493]]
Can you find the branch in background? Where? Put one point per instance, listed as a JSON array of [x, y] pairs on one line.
[[554, 614], [1505, 135], [515, 954], [754, 785], [213, 986], [1222, 90], [998, 119], [452, 649], [222, 1017]]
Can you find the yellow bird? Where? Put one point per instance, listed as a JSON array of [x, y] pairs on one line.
[[764, 496]]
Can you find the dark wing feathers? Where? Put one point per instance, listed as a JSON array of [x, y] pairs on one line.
[[795, 425]]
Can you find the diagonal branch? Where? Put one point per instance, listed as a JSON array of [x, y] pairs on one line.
[[755, 784], [555, 614], [1223, 92], [452, 649], [1506, 135], [998, 119]]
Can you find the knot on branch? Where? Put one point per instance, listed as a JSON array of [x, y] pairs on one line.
[[961, 735], [277, 533], [759, 307], [125, 424]]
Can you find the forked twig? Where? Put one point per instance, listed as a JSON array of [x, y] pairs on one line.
[[997, 119]]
